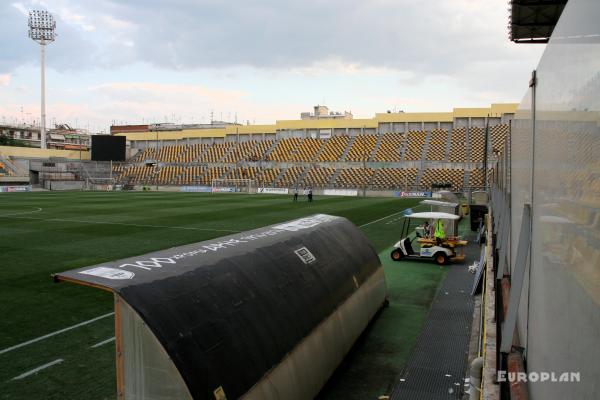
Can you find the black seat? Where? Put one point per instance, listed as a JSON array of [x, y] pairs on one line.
[[408, 246]]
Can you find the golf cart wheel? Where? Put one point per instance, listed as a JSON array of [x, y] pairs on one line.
[[396, 255], [441, 259]]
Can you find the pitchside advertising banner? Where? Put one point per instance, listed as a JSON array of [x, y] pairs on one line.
[[198, 189], [264, 190], [412, 194], [15, 189], [340, 192], [223, 190]]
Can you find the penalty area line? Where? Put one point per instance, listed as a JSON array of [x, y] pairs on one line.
[[37, 369], [89, 321]]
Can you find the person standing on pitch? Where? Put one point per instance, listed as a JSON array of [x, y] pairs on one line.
[[310, 195], [295, 194]]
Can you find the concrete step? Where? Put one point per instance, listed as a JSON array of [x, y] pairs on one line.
[[270, 150], [376, 148], [348, 147], [448, 145], [426, 146], [334, 177]]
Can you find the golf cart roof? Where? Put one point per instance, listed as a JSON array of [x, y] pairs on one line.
[[432, 215], [439, 203]]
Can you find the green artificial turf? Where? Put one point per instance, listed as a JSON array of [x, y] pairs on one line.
[[47, 232], [379, 356]]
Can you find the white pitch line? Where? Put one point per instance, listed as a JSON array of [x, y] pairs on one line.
[[89, 321], [102, 343], [41, 367], [387, 216], [109, 314], [377, 220], [124, 224], [38, 209]]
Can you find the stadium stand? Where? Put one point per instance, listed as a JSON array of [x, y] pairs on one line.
[[390, 148], [240, 152], [476, 140], [361, 148], [213, 173], [442, 176], [168, 174], [334, 149], [284, 150], [140, 174], [392, 178], [259, 152], [3, 170], [268, 176], [307, 150], [437, 145], [476, 178], [244, 173], [498, 134], [414, 159], [215, 153], [354, 178], [318, 177], [415, 141], [190, 175], [458, 146], [190, 153], [290, 177]]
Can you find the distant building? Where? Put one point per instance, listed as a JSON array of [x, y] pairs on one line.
[[322, 112], [62, 136], [25, 133], [165, 126]]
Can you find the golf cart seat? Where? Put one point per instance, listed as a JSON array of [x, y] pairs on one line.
[[408, 246]]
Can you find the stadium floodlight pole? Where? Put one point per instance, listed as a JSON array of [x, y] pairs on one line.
[[41, 30], [364, 157], [156, 155], [485, 153]]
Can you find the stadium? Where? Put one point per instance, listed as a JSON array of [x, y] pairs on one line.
[[410, 255]]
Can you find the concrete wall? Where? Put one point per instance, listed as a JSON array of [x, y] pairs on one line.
[[30, 152], [63, 185]]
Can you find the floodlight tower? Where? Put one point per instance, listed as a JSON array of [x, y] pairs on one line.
[[41, 30]]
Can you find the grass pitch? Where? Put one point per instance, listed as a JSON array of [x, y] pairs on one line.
[[44, 233]]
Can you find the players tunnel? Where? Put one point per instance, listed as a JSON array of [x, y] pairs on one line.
[[264, 314]]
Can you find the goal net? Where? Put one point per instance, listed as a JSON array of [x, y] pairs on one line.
[[101, 184], [233, 185]]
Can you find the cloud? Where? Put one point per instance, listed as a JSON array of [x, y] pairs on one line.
[[171, 93], [439, 36], [128, 59], [78, 20], [4, 79]]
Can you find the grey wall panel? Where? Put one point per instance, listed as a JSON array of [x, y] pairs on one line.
[[564, 288]]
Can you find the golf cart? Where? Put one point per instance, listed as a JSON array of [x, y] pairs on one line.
[[426, 248]]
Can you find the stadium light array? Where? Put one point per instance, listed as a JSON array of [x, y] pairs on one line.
[[42, 30]]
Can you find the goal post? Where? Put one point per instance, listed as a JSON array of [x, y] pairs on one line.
[[100, 184], [233, 185]]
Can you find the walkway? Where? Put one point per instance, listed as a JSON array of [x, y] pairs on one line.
[[437, 366]]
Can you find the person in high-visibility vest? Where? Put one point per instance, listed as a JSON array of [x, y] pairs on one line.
[[439, 234]]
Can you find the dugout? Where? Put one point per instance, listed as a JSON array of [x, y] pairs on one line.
[[264, 314]]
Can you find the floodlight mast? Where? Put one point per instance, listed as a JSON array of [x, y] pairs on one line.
[[41, 30]]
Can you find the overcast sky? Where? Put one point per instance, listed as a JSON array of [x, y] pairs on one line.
[[134, 61]]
